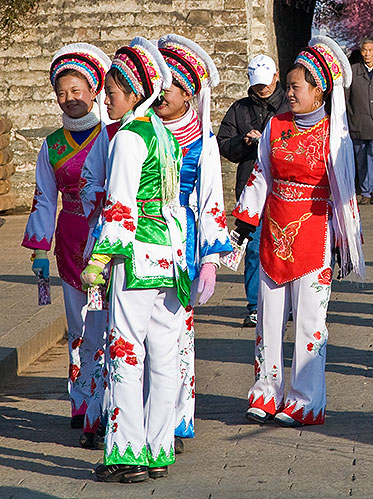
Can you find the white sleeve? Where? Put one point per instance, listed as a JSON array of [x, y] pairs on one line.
[[41, 223], [212, 226], [250, 205], [127, 153], [93, 178]]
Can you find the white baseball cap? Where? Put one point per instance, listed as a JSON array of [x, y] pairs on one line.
[[261, 70]]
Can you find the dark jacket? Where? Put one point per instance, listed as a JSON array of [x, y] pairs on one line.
[[359, 101], [244, 115]]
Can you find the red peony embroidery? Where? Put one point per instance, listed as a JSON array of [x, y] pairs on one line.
[[189, 322], [98, 354], [122, 348], [76, 343], [325, 277], [221, 220], [163, 263], [317, 335], [310, 347], [115, 427], [258, 339], [74, 372], [119, 213], [188, 308], [179, 252], [61, 150], [256, 368], [93, 386], [192, 381], [131, 360]]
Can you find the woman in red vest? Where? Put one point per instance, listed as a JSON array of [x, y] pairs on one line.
[[303, 187]]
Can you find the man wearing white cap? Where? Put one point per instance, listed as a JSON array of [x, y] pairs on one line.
[[238, 138]]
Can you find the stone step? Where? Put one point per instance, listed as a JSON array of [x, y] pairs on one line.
[[7, 201]]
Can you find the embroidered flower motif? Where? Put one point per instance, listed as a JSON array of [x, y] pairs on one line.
[[179, 252], [258, 339], [121, 349], [56, 145], [74, 372], [188, 308], [257, 370], [35, 200], [98, 354], [119, 213], [76, 343], [192, 381], [93, 386], [185, 151], [317, 346], [164, 263], [325, 277], [219, 216], [251, 179], [189, 322], [61, 150]]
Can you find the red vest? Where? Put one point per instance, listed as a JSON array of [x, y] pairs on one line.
[[293, 239]]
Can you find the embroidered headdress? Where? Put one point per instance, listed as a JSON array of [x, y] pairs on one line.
[[144, 69], [332, 72], [88, 60], [197, 74], [190, 65]]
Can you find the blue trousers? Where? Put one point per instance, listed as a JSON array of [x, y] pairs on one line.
[[252, 270], [364, 165]]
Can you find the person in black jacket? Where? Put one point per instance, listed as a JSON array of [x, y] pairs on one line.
[[359, 101], [238, 138]]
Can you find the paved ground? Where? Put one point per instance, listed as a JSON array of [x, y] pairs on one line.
[[230, 459]]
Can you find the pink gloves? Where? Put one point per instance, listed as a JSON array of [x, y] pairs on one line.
[[206, 283]]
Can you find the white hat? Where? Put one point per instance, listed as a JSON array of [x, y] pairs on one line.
[[261, 70]]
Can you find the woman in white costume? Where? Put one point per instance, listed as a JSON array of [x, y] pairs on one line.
[[77, 75], [303, 188], [150, 285]]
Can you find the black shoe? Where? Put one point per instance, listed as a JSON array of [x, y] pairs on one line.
[[121, 473], [87, 440], [159, 472], [258, 415], [290, 318], [77, 421], [179, 445], [251, 319]]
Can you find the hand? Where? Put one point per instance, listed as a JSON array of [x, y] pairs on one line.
[[40, 263], [252, 137], [92, 274], [206, 283], [346, 268], [244, 230]]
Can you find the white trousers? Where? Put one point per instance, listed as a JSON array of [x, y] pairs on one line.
[[86, 331], [143, 323], [185, 402], [308, 298]]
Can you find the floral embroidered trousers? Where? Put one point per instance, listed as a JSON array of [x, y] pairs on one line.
[[185, 402], [308, 298], [144, 325], [86, 330]]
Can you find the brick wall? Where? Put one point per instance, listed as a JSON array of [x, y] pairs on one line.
[[231, 31]]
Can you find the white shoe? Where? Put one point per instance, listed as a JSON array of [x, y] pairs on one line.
[[258, 415], [285, 420]]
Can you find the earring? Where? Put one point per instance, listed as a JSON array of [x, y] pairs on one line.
[[315, 105]]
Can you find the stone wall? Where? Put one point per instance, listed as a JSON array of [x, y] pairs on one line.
[[231, 31]]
